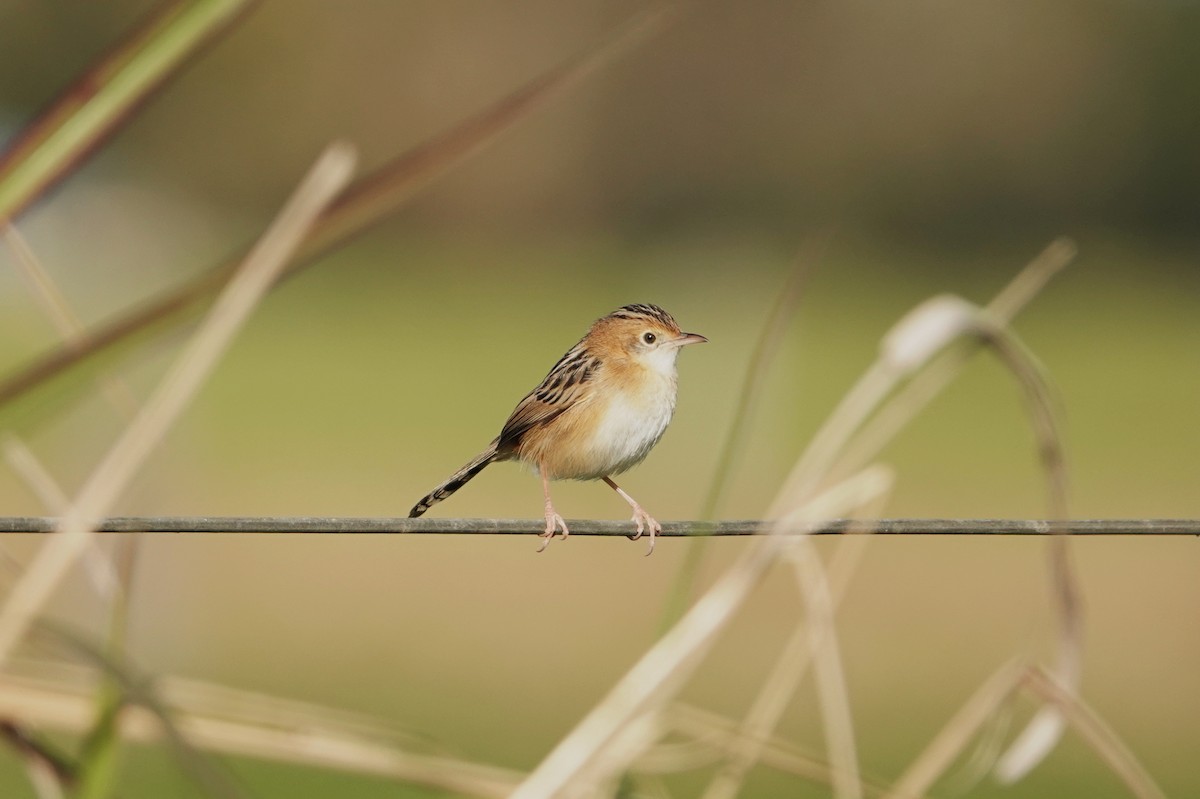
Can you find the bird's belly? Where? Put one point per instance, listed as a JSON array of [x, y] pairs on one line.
[[625, 431]]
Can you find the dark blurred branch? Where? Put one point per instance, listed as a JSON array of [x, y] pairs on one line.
[[106, 96], [38, 752], [366, 203], [423, 525]]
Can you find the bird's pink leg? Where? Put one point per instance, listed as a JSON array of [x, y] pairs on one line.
[[553, 520], [644, 521]]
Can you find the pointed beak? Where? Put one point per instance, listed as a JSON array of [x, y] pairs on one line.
[[689, 338]]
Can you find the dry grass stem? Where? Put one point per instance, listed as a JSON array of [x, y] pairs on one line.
[[918, 336], [787, 301], [35, 476], [953, 738], [788, 673], [26, 465], [43, 288], [832, 694], [264, 263], [1030, 281], [363, 205], [726, 735], [764, 714], [601, 775], [913, 343], [766, 348], [917, 393], [54, 303], [45, 783], [1046, 728], [48, 771], [311, 738], [659, 673], [1098, 735]]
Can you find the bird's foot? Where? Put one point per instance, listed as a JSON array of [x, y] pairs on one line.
[[553, 522], [645, 523]]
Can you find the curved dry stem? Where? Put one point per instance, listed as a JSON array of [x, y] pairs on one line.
[[1046, 728], [917, 393]]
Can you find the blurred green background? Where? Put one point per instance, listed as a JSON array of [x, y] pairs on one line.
[[939, 146]]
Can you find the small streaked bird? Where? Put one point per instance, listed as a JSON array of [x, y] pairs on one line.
[[600, 411]]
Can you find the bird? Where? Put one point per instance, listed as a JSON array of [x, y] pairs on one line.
[[598, 412]]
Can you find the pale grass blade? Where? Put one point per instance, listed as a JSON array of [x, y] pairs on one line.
[[264, 263], [949, 743]]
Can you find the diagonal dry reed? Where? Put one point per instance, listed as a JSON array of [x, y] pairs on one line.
[[26, 465], [789, 671], [220, 720], [662, 670], [1098, 735], [726, 736], [249, 285], [915, 395], [54, 304], [113, 579], [949, 743], [770, 338], [35, 476], [366, 203], [48, 774]]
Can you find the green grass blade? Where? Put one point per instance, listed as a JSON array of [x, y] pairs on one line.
[[105, 97]]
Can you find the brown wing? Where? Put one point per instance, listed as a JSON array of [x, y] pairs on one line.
[[557, 393]]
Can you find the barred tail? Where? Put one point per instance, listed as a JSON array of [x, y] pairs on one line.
[[456, 480]]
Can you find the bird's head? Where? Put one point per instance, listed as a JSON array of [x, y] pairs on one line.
[[643, 333]]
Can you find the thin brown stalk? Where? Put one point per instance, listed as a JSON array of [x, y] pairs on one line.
[[66, 322], [263, 265], [1044, 731], [367, 202], [770, 339], [727, 736], [48, 771]]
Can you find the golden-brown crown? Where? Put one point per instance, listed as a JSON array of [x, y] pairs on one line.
[[636, 330], [632, 327]]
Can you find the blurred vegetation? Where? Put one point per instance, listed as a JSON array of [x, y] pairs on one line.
[[942, 145]]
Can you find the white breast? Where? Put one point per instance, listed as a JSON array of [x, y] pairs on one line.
[[633, 422]]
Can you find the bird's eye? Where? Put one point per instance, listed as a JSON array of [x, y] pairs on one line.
[[648, 338]]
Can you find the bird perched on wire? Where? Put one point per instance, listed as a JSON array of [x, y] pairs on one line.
[[600, 411]]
